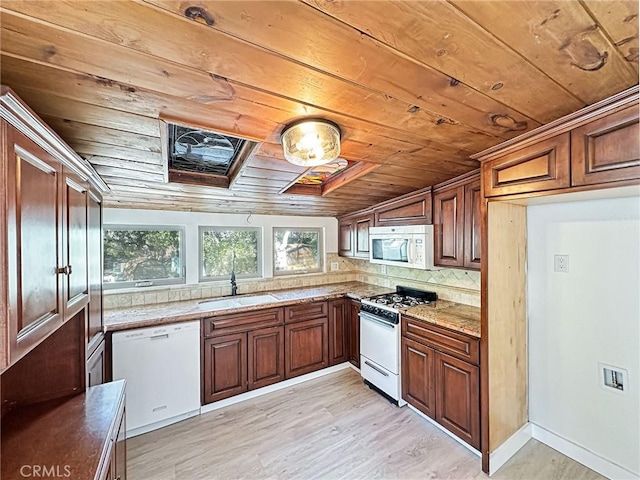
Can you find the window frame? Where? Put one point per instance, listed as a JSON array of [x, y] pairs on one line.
[[259, 254], [321, 259], [154, 282]]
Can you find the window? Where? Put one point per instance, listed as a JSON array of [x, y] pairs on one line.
[[219, 246], [297, 250], [137, 256]]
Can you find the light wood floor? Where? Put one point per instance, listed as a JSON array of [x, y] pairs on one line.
[[329, 428]]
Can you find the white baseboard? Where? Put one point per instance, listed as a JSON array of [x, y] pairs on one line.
[[582, 455], [435, 424], [163, 423], [272, 388], [508, 449]]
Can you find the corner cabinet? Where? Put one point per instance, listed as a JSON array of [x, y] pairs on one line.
[[457, 221], [353, 235]]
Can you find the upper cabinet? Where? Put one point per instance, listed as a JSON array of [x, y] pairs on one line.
[[353, 235], [591, 148], [44, 230], [411, 209], [456, 222]]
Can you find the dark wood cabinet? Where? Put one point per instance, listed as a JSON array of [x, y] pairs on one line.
[[448, 226], [457, 222], [265, 364], [76, 234], [440, 376], [353, 332], [307, 346], [410, 209], [345, 237], [338, 331], [96, 366], [353, 235], [458, 402], [94, 255], [607, 148], [225, 367], [472, 224], [34, 233], [418, 376]]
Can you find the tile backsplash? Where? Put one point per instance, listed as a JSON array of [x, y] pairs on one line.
[[462, 286]]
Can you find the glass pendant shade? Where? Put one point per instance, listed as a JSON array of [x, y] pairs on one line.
[[310, 143]]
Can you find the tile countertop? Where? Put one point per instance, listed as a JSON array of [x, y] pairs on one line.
[[455, 316], [166, 313]]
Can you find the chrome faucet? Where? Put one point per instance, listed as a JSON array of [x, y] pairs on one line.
[[234, 287]]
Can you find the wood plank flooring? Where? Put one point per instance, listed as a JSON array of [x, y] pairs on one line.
[[329, 428]]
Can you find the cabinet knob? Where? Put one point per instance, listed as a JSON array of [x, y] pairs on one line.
[[66, 270]]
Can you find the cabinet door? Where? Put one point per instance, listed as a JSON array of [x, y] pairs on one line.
[[77, 279], [345, 238], [361, 232], [541, 166], [418, 376], [34, 243], [265, 357], [119, 465], [225, 367], [457, 403], [414, 209], [94, 255], [96, 366], [472, 224], [353, 332], [307, 346], [448, 214], [606, 149], [338, 347]]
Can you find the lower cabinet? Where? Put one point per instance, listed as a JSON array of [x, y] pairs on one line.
[[265, 357], [307, 346], [118, 466], [225, 367], [442, 386], [338, 331], [353, 332]]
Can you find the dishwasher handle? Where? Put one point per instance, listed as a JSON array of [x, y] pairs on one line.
[[159, 337]]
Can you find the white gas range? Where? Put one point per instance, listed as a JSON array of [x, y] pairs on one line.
[[380, 338]]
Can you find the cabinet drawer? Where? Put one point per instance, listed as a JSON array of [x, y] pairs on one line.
[[541, 166], [457, 344], [305, 311], [241, 322], [606, 149]]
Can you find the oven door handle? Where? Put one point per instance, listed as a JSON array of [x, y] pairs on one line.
[[373, 318], [379, 370]]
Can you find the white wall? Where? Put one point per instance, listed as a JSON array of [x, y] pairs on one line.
[[586, 316], [191, 221]]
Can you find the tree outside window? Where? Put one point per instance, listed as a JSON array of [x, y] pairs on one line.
[[217, 247], [297, 250], [142, 254]]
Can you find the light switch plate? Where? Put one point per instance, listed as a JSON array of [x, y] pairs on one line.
[[335, 266]]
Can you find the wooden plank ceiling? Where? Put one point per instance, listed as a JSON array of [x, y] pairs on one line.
[[415, 86]]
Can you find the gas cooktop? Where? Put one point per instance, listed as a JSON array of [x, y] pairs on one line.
[[403, 297]]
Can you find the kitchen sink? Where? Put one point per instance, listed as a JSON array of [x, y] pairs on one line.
[[236, 302]]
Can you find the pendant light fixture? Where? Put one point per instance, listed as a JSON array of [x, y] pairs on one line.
[[311, 142]]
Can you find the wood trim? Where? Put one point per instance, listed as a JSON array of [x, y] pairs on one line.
[[457, 181], [349, 175]]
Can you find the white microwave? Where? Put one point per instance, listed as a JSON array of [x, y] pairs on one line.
[[410, 246]]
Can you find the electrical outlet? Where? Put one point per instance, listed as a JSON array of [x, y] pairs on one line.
[[335, 266], [561, 263], [383, 269], [611, 377]]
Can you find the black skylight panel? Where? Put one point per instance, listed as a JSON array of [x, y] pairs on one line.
[[202, 151]]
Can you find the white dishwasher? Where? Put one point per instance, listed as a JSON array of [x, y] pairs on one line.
[[162, 368]]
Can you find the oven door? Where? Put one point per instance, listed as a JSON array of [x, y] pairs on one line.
[[380, 342]]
